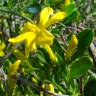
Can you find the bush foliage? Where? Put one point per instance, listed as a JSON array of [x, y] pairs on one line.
[[45, 48]]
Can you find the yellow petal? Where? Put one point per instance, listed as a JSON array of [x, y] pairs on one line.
[[20, 37], [71, 47], [12, 71], [50, 88], [44, 15], [73, 42], [34, 80], [41, 93], [43, 86], [44, 37], [33, 46], [29, 44], [29, 27], [2, 45], [59, 92], [55, 18], [49, 50], [13, 67], [67, 2], [1, 53]]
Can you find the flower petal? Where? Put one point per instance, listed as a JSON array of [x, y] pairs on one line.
[[29, 27], [33, 46], [49, 50], [20, 37], [67, 2], [13, 68], [44, 37], [29, 44], [12, 71], [71, 47], [55, 18], [44, 15], [2, 45], [51, 88], [1, 53]]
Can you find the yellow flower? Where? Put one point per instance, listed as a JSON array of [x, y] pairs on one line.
[[12, 71], [34, 80], [13, 68], [37, 34], [2, 46], [64, 4], [67, 2], [71, 47], [41, 92], [50, 88]]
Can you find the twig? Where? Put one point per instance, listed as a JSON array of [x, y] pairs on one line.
[[81, 84], [92, 51], [69, 27], [53, 94], [25, 81], [64, 40]]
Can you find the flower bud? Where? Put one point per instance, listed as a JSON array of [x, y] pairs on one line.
[[71, 47]]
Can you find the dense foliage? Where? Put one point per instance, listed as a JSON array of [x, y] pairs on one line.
[[45, 48]]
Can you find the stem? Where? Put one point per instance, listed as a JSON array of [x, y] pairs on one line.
[[64, 40], [81, 85], [25, 81]]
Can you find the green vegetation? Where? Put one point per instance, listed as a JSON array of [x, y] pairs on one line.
[[45, 48]]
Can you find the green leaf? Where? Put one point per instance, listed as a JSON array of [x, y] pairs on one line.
[[60, 88], [57, 48], [72, 12], [71, 17], [10, 4], [45, 54], [2, 93], [27, 66], [79, 67], [70, 9], [84, 40], [40, 56], [1, 2], [90, 88]]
